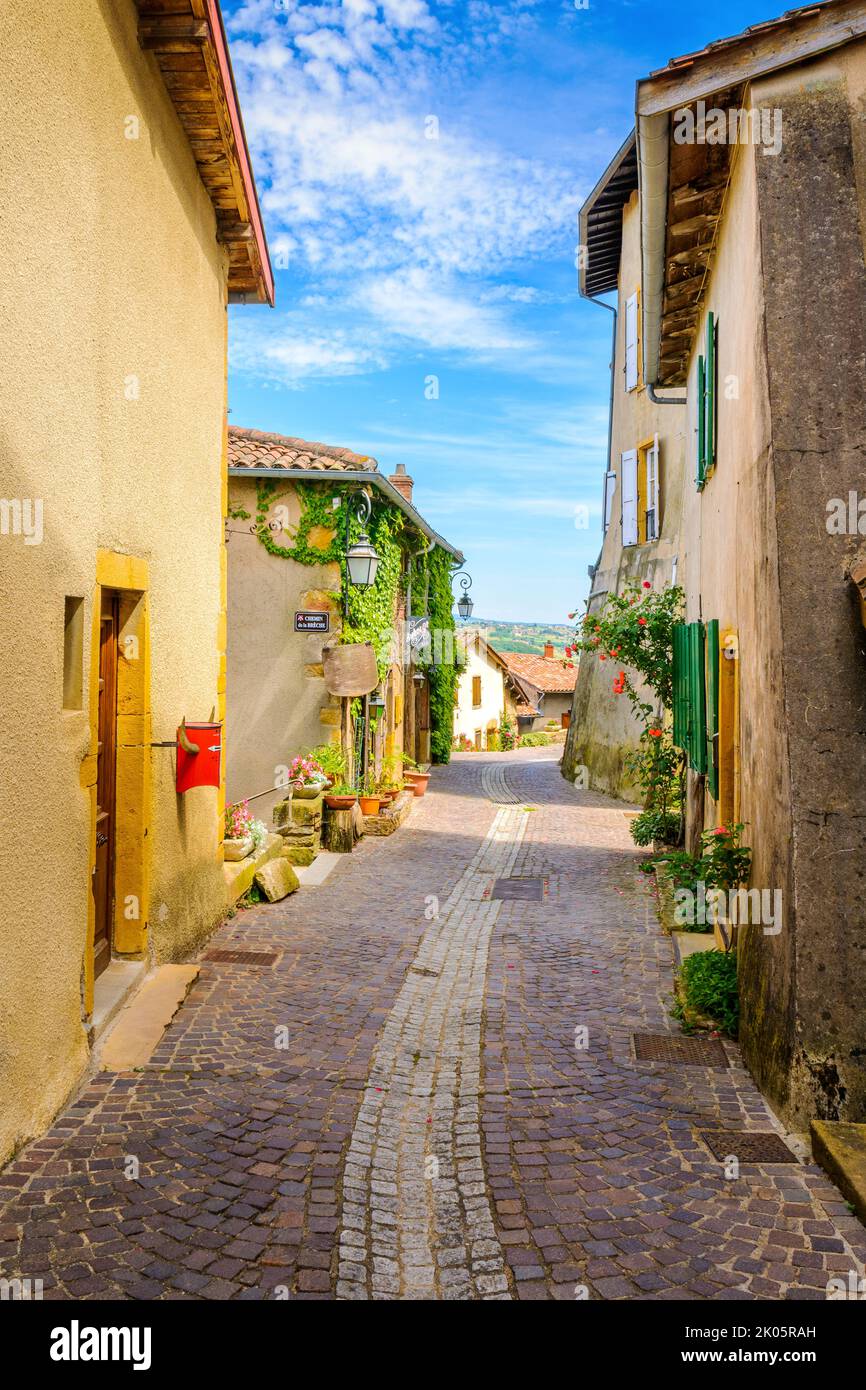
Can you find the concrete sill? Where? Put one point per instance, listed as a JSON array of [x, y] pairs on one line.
[[111, 991]]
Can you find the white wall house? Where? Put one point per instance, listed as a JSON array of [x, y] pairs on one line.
[[485, 691]]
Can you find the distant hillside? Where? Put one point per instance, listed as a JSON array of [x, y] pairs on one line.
[[525, 637]]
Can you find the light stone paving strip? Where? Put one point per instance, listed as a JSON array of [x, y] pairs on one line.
[[416, 1217]]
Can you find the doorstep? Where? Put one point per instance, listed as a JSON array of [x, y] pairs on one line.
[[840, 1148], [141, 1024], [112, 989], [686, 943], [240, 873]]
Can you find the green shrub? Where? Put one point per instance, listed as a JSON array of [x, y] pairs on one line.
[[709, 982], [536, 740], [655, 825]]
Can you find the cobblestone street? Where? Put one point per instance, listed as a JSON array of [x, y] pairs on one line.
[[431, 1129]]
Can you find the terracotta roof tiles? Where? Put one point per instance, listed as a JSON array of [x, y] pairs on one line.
[[257, 449], [546, 673]]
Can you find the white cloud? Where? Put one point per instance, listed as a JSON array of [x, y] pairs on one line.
[[411, 232]]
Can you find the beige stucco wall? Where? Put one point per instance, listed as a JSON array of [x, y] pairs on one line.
[[467, 718], [112, 271], [276, 702], [788, 288], [603, 730]]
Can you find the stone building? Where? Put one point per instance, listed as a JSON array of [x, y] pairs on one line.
[[748, 254], [287, 600]]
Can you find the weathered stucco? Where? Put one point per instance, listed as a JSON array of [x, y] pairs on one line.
[[117, 275], [603, 730], [787, 289]]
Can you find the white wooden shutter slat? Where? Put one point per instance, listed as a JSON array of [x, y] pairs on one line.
[[609, 493], [652, 488], [631, 343], [629, 497]]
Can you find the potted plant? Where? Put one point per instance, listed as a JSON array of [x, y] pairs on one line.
[[369, 797], [238, 831], [341, 797], [307, 776], [415, 780], [390, 781], [332, 761]]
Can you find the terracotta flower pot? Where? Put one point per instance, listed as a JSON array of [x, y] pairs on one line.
[[369, 805], [340, 803], [417, 781]]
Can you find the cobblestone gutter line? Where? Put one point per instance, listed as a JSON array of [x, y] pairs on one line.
[[495, 786], [416, 1217]]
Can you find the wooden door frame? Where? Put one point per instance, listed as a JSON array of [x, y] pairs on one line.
[[129, 576]]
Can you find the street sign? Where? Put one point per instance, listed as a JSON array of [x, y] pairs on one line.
[[312, 622]]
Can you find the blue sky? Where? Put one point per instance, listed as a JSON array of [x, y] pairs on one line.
[[420, 166]]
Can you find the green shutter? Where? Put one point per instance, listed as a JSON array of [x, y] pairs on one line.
[[697, 732], [702, 384], [710, 395], [713, 707], [681, 687]]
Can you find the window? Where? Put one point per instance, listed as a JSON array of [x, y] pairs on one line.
[[476, 692], [707, 409], [631, 342], [609, 490], [641, 517], [73, 653], [629, 497], [706, 708]]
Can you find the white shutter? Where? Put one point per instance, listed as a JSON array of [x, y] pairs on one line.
[[629, 497], [631, 343], [652, 491], [609, 491]]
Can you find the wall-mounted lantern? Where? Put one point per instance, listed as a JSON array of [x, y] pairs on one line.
[[464, 603], [362, 561]]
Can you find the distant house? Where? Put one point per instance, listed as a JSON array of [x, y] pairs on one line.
[[486, 690], [549, 685]]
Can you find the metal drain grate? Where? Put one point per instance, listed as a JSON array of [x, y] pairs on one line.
[[748, 1148], [520, 890], [242, 957], [684, 1052]]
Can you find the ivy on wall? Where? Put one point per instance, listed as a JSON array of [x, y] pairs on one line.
[[371, 611], [442, 674]]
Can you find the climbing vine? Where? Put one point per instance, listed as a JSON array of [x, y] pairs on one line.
[[371, 612], [442, 671]]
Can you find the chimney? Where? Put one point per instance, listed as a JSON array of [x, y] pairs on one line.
[[402, 481], [548, 651]]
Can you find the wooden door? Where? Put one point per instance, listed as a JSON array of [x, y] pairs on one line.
[[103, 877]]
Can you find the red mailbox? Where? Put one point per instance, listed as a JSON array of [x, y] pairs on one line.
[[198, 755]]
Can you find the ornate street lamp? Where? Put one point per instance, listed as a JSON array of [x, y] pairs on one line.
[[464, 603], [362, 560]]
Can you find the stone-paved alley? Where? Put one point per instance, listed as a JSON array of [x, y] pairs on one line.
[[431, 1129]]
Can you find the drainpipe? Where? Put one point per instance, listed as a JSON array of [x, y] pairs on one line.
[[663, 400]]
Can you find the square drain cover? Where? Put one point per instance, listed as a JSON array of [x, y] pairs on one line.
[[684, 1051], [522, 890], [242, 957], [748, 1148]]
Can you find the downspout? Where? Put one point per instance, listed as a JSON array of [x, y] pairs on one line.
[[611, 309]]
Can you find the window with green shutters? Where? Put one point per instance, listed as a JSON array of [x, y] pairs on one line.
[[707, 405], [694, 686]]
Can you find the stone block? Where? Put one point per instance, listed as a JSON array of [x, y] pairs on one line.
[[299, 854], [277, 879]]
